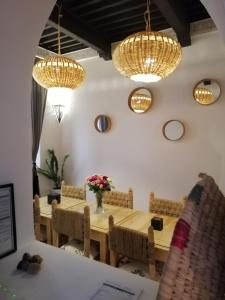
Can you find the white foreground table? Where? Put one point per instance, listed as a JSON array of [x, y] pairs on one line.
[[65, 276]]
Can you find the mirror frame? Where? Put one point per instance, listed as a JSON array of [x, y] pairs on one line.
[[164, 127], [109, 123], [131, 94], [193, 92]]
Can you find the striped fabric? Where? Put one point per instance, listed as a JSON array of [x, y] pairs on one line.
[[195, 268]]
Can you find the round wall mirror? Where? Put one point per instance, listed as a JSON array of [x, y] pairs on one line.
[[102, 123], [207, 91], [140, 100], [173, 130]]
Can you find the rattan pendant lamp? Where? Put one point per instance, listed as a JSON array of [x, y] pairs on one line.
[[147, 56], [58, 71]]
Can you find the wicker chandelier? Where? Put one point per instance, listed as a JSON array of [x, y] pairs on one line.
[[147, 56], [203, 95], [58, 70]]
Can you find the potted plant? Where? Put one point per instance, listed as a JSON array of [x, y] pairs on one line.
[[53, 172]]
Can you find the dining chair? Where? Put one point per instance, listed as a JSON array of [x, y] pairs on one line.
[[138, 247], [165, 206], [76, 226], [37, 217], [73, 191], [195, 268], [117, 198]]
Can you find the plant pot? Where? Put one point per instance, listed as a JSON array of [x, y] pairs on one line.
[[54, 196]]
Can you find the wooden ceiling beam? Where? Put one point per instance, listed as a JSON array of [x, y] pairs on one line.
[[78, 5], [173, 12], [72, 49], [74, 28], [114, 13], [62, 43], [51, 38], [108, 5]]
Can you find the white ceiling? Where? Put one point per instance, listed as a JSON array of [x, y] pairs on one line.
[[216, 9]]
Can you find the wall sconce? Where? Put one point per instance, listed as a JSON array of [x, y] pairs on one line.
[[60, 100], [59, 111]]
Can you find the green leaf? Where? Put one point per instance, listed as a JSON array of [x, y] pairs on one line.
[[53, 168], [62, 169]]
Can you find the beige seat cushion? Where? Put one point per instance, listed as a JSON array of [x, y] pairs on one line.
[[139, 268], [77, 247]]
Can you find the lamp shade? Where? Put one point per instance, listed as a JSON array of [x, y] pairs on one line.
[[58, 71], [147, 56]]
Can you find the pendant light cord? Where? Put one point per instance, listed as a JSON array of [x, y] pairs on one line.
[[147, 17], [59, 17]]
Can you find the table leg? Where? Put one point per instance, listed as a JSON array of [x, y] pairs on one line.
[[104, 250], [47, 222], [49, 232], [102, 238]]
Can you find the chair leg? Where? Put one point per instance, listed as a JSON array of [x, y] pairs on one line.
[[152, 271], [113, 258], [55, 238], [37, 231]]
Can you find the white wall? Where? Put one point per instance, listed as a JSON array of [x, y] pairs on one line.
[[135, 153], [50, 139], [21, 24], [51, 133]]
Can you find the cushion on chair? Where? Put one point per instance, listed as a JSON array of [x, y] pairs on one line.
[[77, 247], [137, 267]]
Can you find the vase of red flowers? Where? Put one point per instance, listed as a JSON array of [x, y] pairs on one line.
[[98, 184]]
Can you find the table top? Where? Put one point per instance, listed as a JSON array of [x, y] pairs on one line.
[[141, 220], [100, 221], [66, 202]]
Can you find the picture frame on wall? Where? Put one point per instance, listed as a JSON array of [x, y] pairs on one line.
[[8, 241]]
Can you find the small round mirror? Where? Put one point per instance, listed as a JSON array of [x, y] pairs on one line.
[[206, 92], [102, 123], [140, 100], [173, 130]]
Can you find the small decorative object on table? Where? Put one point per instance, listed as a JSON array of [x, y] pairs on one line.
[[98, 184], [54, 196], [30, 264], [157, 223]]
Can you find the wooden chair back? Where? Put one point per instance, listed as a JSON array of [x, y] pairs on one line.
[[195, 268], [117, 198], [132, 244], [73, 224], [37, 217], [166, 207], [73, 191]]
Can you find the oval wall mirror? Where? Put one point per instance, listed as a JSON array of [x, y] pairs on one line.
[[173, 130], [206, 92], [140, 100], [102, 123]]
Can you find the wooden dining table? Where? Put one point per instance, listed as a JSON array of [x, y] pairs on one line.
[[126, 217]]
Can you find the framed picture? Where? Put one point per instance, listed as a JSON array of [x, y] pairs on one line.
[[8, 242]]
